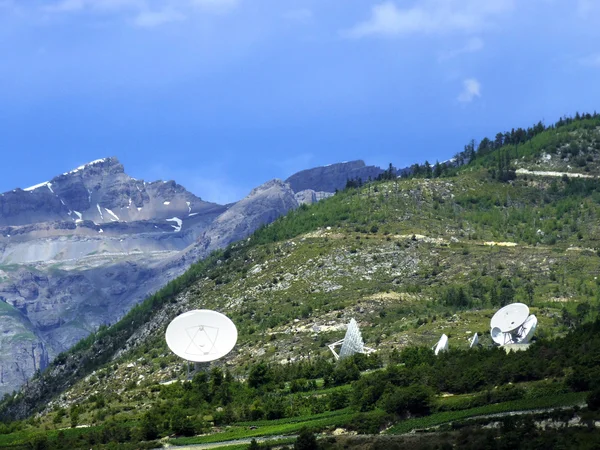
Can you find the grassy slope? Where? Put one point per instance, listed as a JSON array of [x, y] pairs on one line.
[[384, 255]]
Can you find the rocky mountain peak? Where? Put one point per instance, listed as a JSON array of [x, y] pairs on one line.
[[274, 183], [104, 166], [332, 177]]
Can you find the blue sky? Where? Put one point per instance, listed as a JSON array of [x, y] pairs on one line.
[[223, 95]]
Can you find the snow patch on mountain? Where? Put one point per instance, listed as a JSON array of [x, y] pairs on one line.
[[92, 163], [112, 214], [178, 221]]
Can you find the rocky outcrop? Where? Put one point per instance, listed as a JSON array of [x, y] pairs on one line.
[[308, 196], [22, 353], [333, 177]]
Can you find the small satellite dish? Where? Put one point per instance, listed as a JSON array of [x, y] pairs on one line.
[[201, 335], [441, 346], [474, 341], [497, 336], [513, 325]]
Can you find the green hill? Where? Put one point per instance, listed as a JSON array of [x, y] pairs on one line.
[[408, 258]]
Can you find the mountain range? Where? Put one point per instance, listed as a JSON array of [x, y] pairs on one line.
[[79, 251]]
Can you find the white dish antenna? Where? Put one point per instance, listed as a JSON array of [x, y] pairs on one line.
[[513, 325], [474, 341], [529, 328], [201, 335], [351, 344], [441, 346]]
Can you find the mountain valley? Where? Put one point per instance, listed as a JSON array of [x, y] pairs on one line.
[[409, 258]]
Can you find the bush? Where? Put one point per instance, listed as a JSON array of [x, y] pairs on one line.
[[593, 400], [413, 400], [306, 440], [369, 423]]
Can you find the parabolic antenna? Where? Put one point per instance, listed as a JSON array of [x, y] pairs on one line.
[[441, 346], [529, 328], [201, 335], [474, 341], [513, 325], [510, 318]]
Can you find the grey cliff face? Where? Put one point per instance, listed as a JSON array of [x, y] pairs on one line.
[[262, 206], [333, 177], [21, 352]]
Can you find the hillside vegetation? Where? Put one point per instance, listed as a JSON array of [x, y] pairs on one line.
[[409, 259]]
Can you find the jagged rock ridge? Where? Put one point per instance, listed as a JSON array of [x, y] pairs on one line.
[[332, 177]]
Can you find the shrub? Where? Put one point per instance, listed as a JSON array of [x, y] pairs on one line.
[[413, 400]]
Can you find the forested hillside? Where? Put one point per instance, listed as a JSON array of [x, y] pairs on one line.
[[516, 219]]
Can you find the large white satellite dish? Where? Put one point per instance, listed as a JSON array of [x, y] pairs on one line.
[[201, 335], [513, 325], [474, 341], [441, 346]]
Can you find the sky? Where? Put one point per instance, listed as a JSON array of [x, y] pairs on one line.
[[223, 95]]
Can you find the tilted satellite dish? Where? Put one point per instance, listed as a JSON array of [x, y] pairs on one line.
[[513, 325], [474, 341], [201, 335], [529, 327], [441, 346]]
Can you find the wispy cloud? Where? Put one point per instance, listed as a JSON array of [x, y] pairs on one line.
[[473, 45], [429, 17], [150, 19], [591, 60], [218, 6], [142, 13], [94, 5], [471, 89]]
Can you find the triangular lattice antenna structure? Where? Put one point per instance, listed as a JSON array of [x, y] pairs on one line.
[[353, 342]]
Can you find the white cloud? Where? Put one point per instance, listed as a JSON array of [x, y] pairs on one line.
[[218, 6], [471, 89], [150, 19], [299, 15], [143, 13], [591, 60], [95, 5], [430, 17], [473, 45]]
